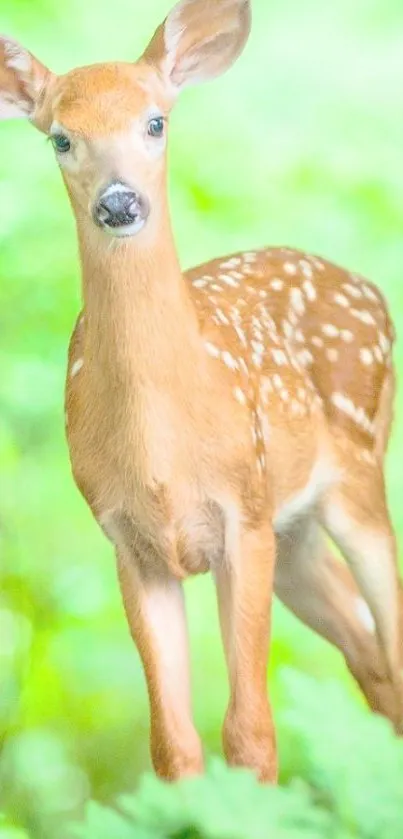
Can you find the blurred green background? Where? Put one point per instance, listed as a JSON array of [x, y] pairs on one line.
[[301, 144]]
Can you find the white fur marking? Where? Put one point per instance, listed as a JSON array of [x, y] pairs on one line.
[[352, 290], [366, 356], [309, 290], [297, 301], [346, 336], [229, 360], [316, 341], [240, 396], [346, 405], [365, 615], [342, 300], [212, 350], [76, 367]]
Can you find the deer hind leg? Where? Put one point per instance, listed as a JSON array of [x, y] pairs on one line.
[[356, 517], [321, 592], [155, 611]]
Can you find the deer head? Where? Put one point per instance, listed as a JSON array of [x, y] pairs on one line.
[[108, 122]]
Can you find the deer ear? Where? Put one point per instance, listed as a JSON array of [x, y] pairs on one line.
[[22, 80], [199, 40]]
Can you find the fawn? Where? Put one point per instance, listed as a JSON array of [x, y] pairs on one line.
[[228, 419]]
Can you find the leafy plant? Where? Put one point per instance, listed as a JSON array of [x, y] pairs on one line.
[[8, 831], [224, 804], [351, 763]]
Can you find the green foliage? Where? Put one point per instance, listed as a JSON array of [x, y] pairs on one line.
[[352, 766], [300, 144], [7, 831], [223, 805]]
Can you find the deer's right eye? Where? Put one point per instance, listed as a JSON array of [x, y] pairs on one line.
[[61, 143]]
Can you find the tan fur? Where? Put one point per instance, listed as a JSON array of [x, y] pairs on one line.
[[217, 417]]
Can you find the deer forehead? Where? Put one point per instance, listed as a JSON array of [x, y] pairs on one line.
[[106, 99]]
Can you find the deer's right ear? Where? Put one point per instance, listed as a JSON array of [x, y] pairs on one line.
[[199, 40], [23, 80]]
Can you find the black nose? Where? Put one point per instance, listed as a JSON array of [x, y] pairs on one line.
[[118, 206]]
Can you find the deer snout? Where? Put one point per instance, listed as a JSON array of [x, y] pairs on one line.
[[120, 210]]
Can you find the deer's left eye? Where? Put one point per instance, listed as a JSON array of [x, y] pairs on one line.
[[61, 143], [156, 127]]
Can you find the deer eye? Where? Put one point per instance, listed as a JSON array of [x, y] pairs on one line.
[[156, 127], [61, 143]]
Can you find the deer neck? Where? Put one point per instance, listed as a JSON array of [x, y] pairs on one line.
[[140, 324]]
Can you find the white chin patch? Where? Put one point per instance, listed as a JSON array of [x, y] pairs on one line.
[[126, 230]]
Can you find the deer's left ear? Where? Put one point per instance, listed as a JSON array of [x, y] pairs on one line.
[[199, 40], [22, 80]]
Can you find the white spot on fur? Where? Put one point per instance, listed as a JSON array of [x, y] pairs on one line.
[[342, 300], [279, 357], [365, 615], [305, 357], [346, 405], [257, 346], [352, 290], [316, 341], [287, 329], [76, 367], [229, 360], [330, 330], [257, 359], [240, 396], [384, 343], [370, 294], [232, 263], [309, 290], [290, 268], [346, 336], [366, 356], [277, 284], [241, 335], [306, 268], [332, 354], [318, 264], [228, 280], [221, 317], [212, 350], [297, 301], [363, 316]]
